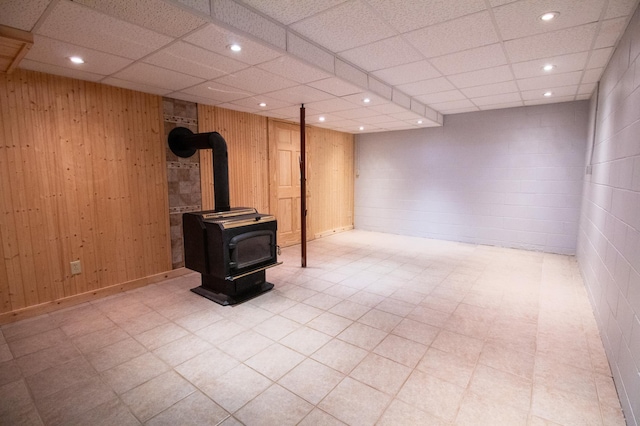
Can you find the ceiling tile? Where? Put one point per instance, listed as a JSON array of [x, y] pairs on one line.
[[288, 12], [193, 98], [240, 106], [397, 125], [293, 112], [558, 92], [599, 58], [202, 6], [495, 3], [292, 69], [255, 80], [358, 113], [380, 88], [382, 54], [246, 20], [584, 97], [343, 27], [521, 18], [253, 102], [193, 60], [497, 99], [617, 8], [140, 87], [587, 89], [549, 81], [331, 105], [407, 116], [389, 108], [447, 37], [549, 100], [156, 76], [28, 64], [592, 75], [348, 72], [491, 89], [54, 52], [407, 73], [300, 95], [358, 99], [376, 119], [470, 60], [408, 15], [426, 86], [609, 32], [157, 15], [335, 86], [216, 39], [481, 77], [310, 52], [564, 63], [22, 14], [501, 106], [455, 107], [79, 25], [561, 42], [436, 98], [217, 92]]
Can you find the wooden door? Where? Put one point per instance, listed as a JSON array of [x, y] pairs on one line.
[[286, 188]]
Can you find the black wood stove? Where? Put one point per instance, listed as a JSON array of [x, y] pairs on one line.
[[230, 247]]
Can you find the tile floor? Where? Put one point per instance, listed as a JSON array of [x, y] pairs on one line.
[[379, 329]]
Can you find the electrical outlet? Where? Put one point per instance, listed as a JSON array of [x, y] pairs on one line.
[[76, 267]]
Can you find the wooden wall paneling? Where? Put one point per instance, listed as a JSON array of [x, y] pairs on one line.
[[82, 176]]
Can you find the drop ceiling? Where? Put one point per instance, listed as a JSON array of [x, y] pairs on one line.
[[414, 60]]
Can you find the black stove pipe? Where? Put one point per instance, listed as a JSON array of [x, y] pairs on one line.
[[184, 143]]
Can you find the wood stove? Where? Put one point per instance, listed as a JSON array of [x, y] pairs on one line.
[[230, 247]]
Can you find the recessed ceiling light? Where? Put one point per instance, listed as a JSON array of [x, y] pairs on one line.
[[76, 59], [321, 119], [548, 67], [361, 127], [262, 104], [549, 16], [547, 94], [419, 121], [366, 100], [234, 47]]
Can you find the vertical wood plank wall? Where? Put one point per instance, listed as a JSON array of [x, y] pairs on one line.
[[82, 176], [247, 145], [330, 181]]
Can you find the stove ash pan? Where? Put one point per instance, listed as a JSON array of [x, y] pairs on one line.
[[232, 250]]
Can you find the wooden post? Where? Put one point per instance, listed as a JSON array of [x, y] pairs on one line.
[[303, 187]]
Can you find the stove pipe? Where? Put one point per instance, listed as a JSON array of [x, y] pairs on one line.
[[184, 143]]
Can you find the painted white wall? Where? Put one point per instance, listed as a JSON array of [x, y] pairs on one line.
[[609, 237], [510, 177]]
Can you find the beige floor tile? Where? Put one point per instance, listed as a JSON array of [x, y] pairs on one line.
[[28, 327], [132, 373], [428, 393], [245, 345], [439, 304], [340, 356], [13, 396], [416, 331], [501, 387], [275, 406], [355, 403], [612, 416], [447, 366], [322, 301], [381, 373], [318, 417], [399, 349], [362, 335], [478, 411], [112, 412], [183, 349], [396, 307], [55, 379], [276, 327], [298, 293], [366, 298], [401, 413], [301, 313], [220, 331], [275, 361], [194, 410], [607, 394], [37, 342], [305, 340], [156, 395], [550, 373], [349, 309], [115, 354], [206, 367], [329, 323], [236, 387], [514, 362], [468, 326], [381, 320], [9, 372], [311, 380], [142, 323], [429, 316], [60, 407], [161, 335], [198, 320], [564, 407], [464, 346], [99, 339], [47, 358]]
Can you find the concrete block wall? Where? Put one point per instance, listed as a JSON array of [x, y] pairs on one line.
[[510, 177], [609, 233]]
